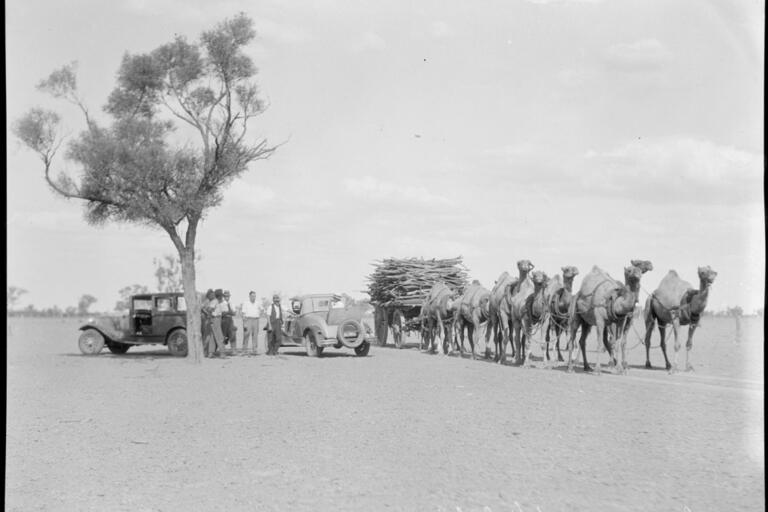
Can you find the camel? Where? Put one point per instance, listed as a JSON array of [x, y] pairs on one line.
[[513, 305], [498, 321], [437, 316], [676, 302], [536, 311], [561, 295], [605, 303], [471, 311]]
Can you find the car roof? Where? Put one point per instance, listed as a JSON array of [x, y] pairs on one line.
[[159, 294]]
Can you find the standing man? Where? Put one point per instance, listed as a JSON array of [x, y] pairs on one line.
[[250, 311], [228, 323], [274, 326]]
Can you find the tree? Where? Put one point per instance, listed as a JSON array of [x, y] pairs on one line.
[[84, 303], [125, 295], [168, 272], [131, 169], [14, 294]]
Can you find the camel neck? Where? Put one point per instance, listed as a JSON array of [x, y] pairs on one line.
[[699, 301], [568, 283]]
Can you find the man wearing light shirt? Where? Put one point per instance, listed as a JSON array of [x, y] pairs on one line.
[[250, 312]]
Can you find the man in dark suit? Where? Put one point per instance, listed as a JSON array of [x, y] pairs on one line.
[[274, 326]]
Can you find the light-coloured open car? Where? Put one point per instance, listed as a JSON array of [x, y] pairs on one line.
[[320, 320]]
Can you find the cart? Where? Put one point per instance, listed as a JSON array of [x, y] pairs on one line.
[[401, 316]]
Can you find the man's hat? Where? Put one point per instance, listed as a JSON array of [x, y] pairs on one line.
[[226, 293]]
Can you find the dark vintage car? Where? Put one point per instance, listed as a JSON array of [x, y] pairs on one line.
[[153, 319], [320, 320]]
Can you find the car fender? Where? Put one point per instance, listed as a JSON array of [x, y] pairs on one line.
[[105, 326]]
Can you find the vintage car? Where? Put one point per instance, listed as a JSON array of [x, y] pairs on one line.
[[320, 320], [153, 319]]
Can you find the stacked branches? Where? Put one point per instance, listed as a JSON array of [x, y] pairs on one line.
[[409, 280]]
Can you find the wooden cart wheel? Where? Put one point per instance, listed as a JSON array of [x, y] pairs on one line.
[[380, 322], [398, 323]]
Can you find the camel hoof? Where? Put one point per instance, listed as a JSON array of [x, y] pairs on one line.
[[570, 369], [648, 365], [560, 358], [588, 369]]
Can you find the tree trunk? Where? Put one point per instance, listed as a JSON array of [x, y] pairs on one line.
[[194, 324]]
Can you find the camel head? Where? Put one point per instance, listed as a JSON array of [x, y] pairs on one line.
[[643, 265], [524, 265], [632, 275], [539, 278], [707, 276], [569, 272]]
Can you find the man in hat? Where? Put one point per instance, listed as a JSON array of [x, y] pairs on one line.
[[228, 323], [274, 326]]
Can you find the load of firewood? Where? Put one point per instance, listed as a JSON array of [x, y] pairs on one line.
[[408, 280]]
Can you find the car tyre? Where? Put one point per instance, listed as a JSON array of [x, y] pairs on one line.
[[177, 343], [91, 342], [363, 349], [311, 345]]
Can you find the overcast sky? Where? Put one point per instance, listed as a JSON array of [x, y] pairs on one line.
[[564, 132]]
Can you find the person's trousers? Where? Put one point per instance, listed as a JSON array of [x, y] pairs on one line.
[[275, 338], [229, 330], [216, 342], [251, 332]]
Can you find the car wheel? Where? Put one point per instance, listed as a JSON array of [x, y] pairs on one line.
[[311, 345], [363, 349], [117, 348], [91, 342], [177, 343]]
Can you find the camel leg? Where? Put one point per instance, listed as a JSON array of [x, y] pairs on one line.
[[585, 329], [675, 329], [600, 329], [471, 336], [649, 324], [558, 331], [689, 346], [546, 340], [489, 330], [663, 344], [504, 335], [624, 367], [572, 326]]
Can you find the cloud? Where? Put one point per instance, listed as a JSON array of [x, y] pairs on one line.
[[280, 33], [369, 41], [680, 169], [375, 190], [544, 2], [637, 56], [440, 29], [254, 198]]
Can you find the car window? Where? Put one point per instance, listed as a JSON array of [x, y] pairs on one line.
[[163, 304], [181, 304], [322, 304], [145, 304]]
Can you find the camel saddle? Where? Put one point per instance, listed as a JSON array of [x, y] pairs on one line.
[[473, 295]]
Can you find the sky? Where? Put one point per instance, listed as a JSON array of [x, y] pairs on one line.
[[559, 131]]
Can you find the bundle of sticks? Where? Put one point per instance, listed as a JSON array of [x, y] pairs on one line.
[[409, 280]]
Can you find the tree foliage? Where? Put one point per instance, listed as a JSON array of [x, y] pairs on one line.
[[84, 303], [132, 170], [14, 294], [125, 295]]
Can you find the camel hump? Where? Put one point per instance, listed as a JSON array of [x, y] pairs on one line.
[[597, 278], [672, 289], [554, 284]]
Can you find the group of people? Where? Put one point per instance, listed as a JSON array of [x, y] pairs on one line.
[[220, 332]]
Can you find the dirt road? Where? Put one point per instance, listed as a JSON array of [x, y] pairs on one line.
[[398, 430]]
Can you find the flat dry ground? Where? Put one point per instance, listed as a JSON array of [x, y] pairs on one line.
[[398, 430]]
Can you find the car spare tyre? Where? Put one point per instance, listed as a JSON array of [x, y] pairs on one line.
[[350, 333]]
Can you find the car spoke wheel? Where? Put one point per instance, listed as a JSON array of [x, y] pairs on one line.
[[177, 343], [309, 342], [91, 342], [363, 349]]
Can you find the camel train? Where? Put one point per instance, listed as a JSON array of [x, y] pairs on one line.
[[518, 307]]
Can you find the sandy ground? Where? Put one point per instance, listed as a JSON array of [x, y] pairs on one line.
[[397, 430]]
